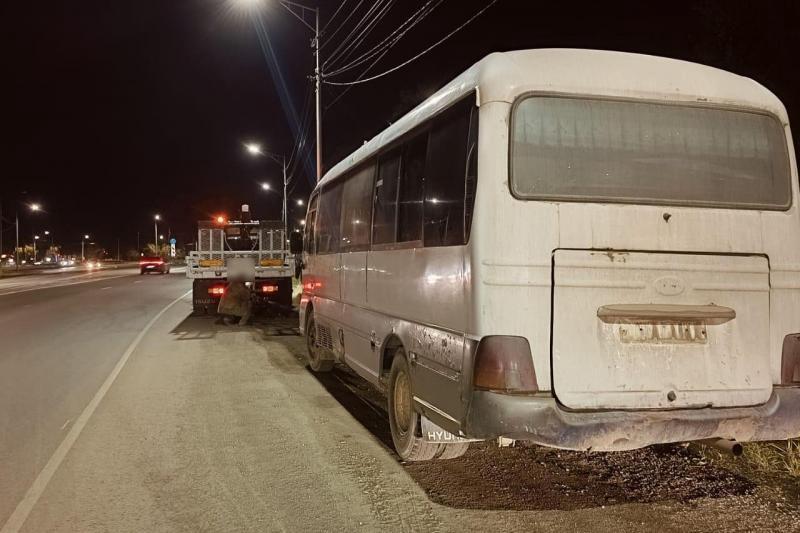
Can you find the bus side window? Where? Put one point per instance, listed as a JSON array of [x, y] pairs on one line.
[[385, 218], [327, 233], [445, 174], [357, 208], [409, 212], [311, 218]]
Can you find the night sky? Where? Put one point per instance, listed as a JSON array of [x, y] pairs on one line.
[[115, 110]]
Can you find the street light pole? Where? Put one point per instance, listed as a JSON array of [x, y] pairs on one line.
[[255, 149], [155, 234], [16, 249], [285, 210]]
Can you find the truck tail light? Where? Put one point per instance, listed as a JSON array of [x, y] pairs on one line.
[[216, 290], [504, 364], [269, 289], [790, 360]]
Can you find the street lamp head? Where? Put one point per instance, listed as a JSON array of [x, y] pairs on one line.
[[36, 207], [157, 217], [299, 202], [265, 186], [302, 222], [253, 148], [161, 237], [36, 237], [46, 232], [85, 236]]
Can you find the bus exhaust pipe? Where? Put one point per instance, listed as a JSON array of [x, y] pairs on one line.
[[732, 447]]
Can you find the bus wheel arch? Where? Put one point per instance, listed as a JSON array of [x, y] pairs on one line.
[[389, 348], [315, 357]]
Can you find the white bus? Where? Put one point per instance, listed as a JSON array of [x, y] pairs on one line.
[[584, 249]]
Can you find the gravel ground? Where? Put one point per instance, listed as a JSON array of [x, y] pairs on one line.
[[693, 489]]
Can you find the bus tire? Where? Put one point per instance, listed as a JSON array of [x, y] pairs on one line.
[[453, 451], [316, 361], [404, 421]]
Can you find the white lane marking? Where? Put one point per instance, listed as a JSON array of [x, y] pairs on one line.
[[138, 281], [104, 288], [64, 284], [26, 505], [65, 424]]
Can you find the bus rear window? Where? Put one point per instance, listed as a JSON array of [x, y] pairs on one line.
[[649, 153]]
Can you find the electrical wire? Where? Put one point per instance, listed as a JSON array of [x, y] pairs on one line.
[[361, 37], [342, 25], [346, 41], [360, 76], [404, 63], [333, 17], [392, 39]]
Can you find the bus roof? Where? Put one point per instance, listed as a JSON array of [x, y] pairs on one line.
[[503, 76]]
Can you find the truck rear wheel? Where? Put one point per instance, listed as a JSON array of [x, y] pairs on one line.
[[404, 421]]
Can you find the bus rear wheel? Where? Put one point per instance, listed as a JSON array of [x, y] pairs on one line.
[[404, 421], [316, 361]]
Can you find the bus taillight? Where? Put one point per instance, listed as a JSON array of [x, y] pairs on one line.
[[504, 364]]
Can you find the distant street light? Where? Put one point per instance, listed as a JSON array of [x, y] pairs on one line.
[[302, 222], [253, 148], [36, 207], [46, 232], [265, 186], [299, 202]]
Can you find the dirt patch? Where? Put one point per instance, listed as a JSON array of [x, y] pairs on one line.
[[536, 478]]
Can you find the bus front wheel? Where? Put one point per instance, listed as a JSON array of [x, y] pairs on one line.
[[404, 421]]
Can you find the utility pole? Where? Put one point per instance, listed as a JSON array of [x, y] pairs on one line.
[[318, 84]]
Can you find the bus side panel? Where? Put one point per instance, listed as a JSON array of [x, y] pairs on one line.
[[424, 291]]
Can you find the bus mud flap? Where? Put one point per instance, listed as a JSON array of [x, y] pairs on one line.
[[433, 433]]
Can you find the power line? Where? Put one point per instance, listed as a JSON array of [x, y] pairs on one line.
[[360, 76], [333, 17], [342, 25], [356, 42], [392, 39], [365, 19], [403, 64]]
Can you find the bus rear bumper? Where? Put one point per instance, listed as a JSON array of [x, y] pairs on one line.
[[543, 421]]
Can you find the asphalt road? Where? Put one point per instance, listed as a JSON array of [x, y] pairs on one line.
[[119, 411]]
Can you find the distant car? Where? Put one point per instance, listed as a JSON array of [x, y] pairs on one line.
[[93, 264], [153, 264]]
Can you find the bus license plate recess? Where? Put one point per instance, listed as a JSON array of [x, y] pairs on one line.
[[679, 333]]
